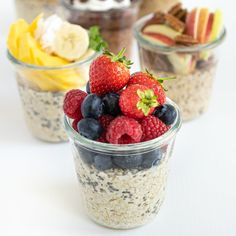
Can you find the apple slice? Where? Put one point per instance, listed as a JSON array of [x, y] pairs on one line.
[[158, 38], [209, 27], [161, 29], [202, 24], [192, 22], [217, 25]]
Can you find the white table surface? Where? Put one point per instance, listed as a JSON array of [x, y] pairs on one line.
[[38, 186]]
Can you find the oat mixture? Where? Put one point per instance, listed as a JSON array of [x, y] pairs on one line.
[[43, 113], [29, 9], [119, 198]]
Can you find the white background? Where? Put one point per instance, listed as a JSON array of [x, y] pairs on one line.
[[38, 186]]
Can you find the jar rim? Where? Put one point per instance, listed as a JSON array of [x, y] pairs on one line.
[[129, 148], [169, 49], [17, 62], [67, 5]]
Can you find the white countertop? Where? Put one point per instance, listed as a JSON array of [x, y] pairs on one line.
[[39, 192]]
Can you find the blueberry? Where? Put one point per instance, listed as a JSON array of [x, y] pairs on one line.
[[88, 88], [128, 162], [102, 162], [92, 106], [111, 104], [85, 155], [166, 113], [90, 128], [151, 158]]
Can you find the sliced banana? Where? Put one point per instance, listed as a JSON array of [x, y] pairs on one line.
[[70, 42]]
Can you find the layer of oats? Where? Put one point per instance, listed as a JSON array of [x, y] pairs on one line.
[[119, 198], [43, 113]]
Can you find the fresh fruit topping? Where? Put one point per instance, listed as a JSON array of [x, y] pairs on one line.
[[138, 101], [86, 155], [88, 88], [217, 25], [72, 103], [90, 128], [192, 22], [124, 130], [92, 106], [111, 104], [130, 162], [71, 41], [105, 121], [96, 41], [209, 27], [166, 113], [102, 162], [75, 124], [175, 23], [151, 159], [160, 39], [149, 80], [202, 24], [102, 138], [152, 128], [109, 73]]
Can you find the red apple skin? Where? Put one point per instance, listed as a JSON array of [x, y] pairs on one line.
[[161, 37], [209, 27], [192, 23]]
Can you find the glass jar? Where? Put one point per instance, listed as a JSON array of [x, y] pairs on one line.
[[115, 24], [194, 67], [123, 186], [42, 90]]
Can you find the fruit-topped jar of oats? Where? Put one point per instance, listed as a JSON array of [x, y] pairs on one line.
[[50, 56], [122, 132], [184, 43]]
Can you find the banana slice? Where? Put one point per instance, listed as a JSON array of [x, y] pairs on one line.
[[70, 42]]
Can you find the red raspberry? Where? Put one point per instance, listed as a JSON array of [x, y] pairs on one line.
[[74, 124], [105, 120], [152, 128], [72, 103], [102, 138], [124, 130]]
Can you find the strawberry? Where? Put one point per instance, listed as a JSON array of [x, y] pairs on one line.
[[147, 79], [137, 101], [109, 73]]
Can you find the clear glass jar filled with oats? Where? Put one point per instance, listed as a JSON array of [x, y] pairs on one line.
[[50, 57], [123, 186], [173, 44], [115, 19], [29, 9]]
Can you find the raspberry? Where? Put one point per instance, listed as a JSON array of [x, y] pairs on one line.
[[74, 124], [72, 103], [124, 130], [102, 138], [152, 128], [105, 120]]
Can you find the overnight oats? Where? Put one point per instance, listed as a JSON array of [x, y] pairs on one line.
[[29, 9], [122, 140], [50, 57], [185, 44], [149, 6], [115, 18]]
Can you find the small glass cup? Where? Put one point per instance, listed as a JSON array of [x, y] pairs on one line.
[[123, 186], [29, 9], [194, 67], [115, 24], [42, 101]]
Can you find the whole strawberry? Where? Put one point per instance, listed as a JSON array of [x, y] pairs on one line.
[[137, 101], [147, 79], [152, 128], [109, 73]]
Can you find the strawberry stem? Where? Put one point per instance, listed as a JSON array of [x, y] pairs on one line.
[[160, 79], [119, 57]]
